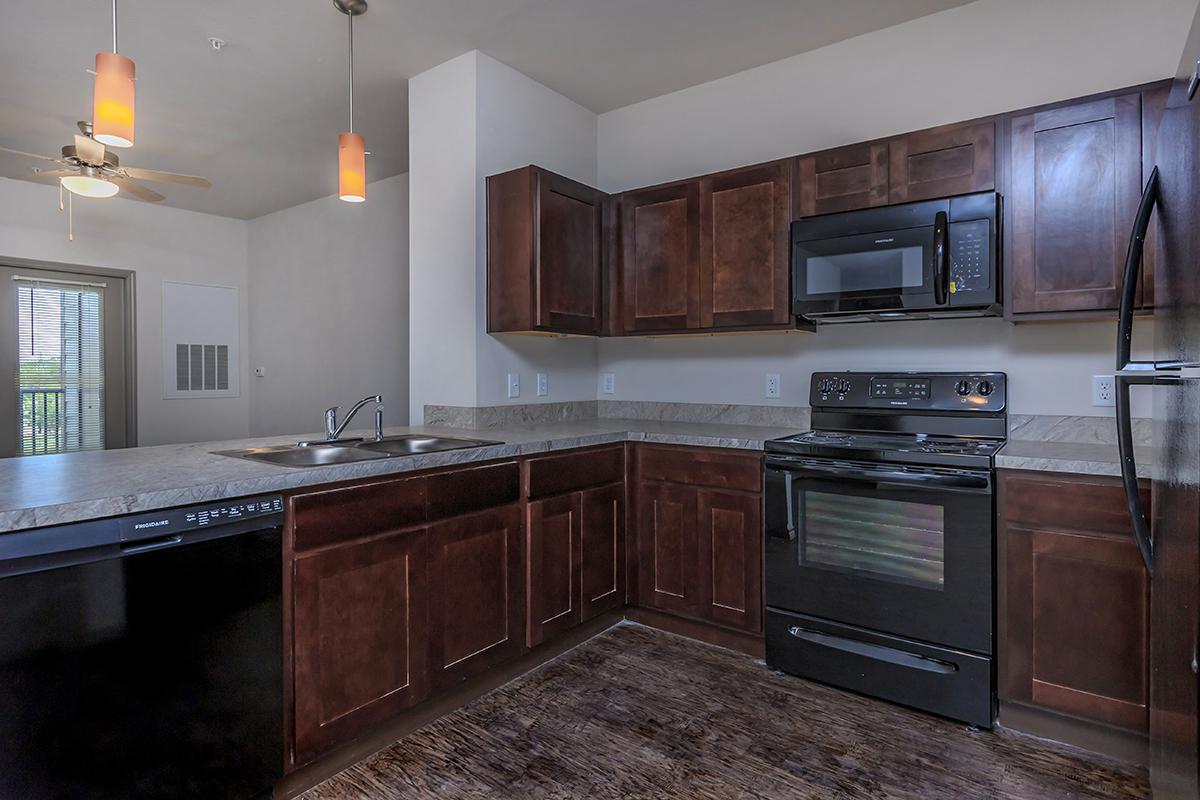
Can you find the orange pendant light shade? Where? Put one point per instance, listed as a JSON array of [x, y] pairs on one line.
[[352, 167], [112, 100]]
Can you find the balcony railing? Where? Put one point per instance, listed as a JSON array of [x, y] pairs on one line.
[[43, 423]]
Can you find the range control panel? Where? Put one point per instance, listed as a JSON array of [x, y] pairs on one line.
[[933, 391], [154, 524]]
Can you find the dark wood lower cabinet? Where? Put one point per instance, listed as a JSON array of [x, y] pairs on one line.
[[602, 543], [476, 594], [699, 549], [1074, 612], [359, 634]]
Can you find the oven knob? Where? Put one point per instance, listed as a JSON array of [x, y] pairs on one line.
[[825, 385], [984, 388], [843, 386], [963, 388]]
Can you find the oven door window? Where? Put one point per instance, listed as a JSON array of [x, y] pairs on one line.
[[872, 265], [884, 538]]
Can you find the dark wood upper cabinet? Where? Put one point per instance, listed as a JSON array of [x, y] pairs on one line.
[[1154, 103], [477, 597], [358, 638], [1074, 611], [744, 271], [1075, 184], [843, 179], [544, 254], [660, 258], [942, 162]]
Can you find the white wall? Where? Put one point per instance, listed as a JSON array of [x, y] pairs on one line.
[[522, 122], [469, 118], [982, 58], [158, 244], [328, 316], [441, 248]]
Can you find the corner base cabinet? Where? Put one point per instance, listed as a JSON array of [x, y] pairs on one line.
[[699, 543]]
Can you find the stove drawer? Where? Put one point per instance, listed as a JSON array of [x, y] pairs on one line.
[[937, 679]]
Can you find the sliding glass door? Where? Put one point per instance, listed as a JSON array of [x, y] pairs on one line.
[[63, 341]]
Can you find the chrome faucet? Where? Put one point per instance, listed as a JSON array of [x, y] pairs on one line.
[[333, 430]]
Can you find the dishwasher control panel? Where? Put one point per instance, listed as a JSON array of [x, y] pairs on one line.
[[169, 521]]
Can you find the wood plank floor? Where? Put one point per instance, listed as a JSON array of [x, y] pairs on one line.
[[637, 713]]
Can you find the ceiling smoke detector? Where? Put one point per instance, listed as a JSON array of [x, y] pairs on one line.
[[216, 43]]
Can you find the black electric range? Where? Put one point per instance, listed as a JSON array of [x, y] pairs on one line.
[[880, 539]]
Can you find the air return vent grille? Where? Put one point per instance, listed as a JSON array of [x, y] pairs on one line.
[[201, 367]]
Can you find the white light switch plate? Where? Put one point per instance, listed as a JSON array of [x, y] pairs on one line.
[[514, 385], [543, 384], [608, 383], [772, 391], [1104, 391]]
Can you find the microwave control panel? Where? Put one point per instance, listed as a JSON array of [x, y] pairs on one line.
[[970, 256]]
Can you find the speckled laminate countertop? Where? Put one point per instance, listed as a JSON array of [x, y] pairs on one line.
[[1087, 458], [40, 491]]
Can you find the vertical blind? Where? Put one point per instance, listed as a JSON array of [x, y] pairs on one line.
[[60, 374]]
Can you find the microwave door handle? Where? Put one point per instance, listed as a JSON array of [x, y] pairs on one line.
[[1133, 269], [1133, 498], [941, 257]]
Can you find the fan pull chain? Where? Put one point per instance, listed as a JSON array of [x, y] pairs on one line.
[[60, 194], [71, 218]]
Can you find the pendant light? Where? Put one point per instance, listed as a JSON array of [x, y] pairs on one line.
[[352, 148], [112, 97]]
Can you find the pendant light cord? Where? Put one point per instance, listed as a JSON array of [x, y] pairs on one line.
[[350, 21], [114, 5]]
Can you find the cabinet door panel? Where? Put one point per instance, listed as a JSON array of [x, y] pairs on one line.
[[1076, 175], [568, 289], [660, 279], [602, 540], [359, 633], [744, 239], [730, 545], [667, 557], [844, 179], [941, 162], [476, 606], [554, 563]]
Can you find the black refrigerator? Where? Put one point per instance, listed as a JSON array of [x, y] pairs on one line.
[[1168, 534]]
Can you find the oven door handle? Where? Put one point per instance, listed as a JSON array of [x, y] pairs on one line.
[[939, 480]]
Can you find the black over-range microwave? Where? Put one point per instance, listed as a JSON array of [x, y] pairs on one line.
[[935, 258]]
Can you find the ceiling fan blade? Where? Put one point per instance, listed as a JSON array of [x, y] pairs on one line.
[[44, 178], [31, 155], [136, 189], [56, 173], [89, 150], [166, 177]]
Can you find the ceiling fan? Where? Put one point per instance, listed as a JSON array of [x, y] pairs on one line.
[[90, 169]]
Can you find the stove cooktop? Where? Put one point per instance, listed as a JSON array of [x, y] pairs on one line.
[[891, 447]]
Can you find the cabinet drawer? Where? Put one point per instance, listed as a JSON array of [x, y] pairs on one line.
[[463, 491], [1089, 504], [567, 472], [332, 515], [696, 466]]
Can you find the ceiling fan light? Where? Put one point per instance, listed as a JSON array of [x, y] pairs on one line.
[[352, 167], [112, 100], [87, 186]]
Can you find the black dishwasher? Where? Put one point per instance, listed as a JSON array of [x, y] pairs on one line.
[[140, 656]]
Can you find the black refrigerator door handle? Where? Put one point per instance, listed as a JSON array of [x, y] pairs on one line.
[[1133, 270], [941, 255], [1137, 514]]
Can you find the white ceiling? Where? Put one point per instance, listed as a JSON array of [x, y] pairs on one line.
[[260, 118]]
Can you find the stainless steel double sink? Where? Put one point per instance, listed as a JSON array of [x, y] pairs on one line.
[[349, 452]]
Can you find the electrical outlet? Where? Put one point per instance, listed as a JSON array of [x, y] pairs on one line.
[[1104, 391], [543, 384], [260, 372], [608, 383], [514, 385], [772, 386]]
